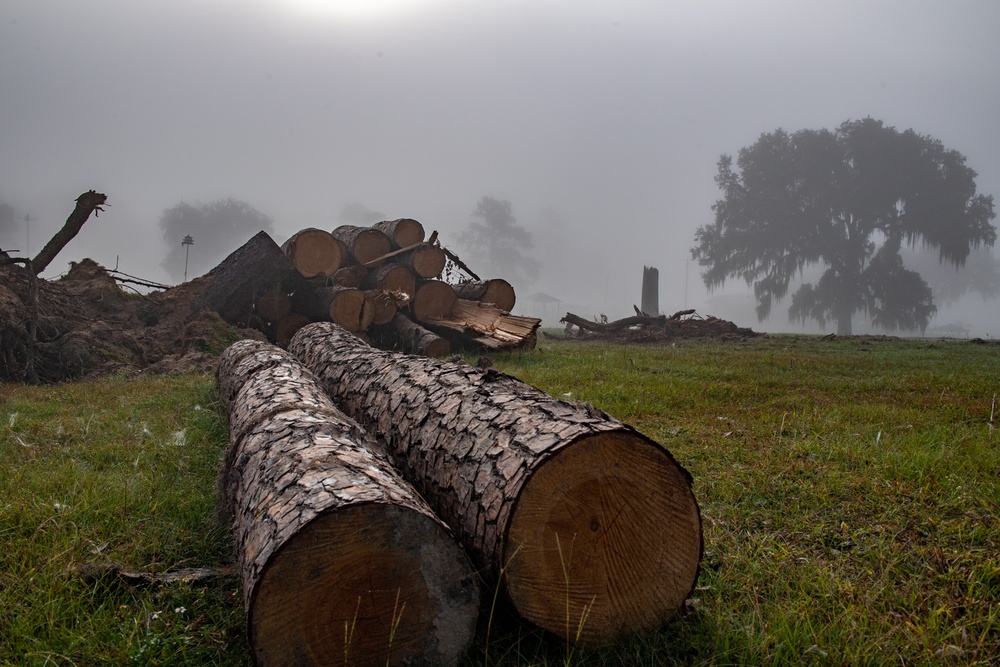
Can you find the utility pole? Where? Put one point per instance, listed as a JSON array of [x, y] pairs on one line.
[[27, 234], [187, 242]]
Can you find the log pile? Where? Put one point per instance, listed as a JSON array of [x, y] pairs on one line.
[[341, 560], [643, 328], [382, 282], [591, 526]]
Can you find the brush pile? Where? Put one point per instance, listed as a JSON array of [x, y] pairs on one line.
[[643, 328]]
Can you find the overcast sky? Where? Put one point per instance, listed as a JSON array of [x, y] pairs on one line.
[[601, 122]]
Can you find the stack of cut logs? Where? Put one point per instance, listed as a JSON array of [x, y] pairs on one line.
[[381, 282], [354, 475]]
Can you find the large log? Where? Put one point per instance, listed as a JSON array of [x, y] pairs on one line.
[[432, 300], [593, 525], [402, 232], [345, 306], [255, 268], [391, 277], [483, 326], [365, 244], [405, 335], [497, 291], [425, 260], [341, 561], [315, 252]]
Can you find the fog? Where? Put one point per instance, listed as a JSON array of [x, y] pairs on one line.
[[600, 122]]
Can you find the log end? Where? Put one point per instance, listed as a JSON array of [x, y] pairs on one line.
[[605, 539], [367, 584]]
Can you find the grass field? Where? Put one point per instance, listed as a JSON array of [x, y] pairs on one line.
[[850, 495]]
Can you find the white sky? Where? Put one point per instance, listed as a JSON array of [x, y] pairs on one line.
[[612, 115]]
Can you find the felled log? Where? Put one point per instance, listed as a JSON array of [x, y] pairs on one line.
[[364, 244], [497, 291], [402, 232], [315, 252], [384, 305], [617, 325], [425, 260], [255, 268], [391, 277], [349, 276], [473, 325], [287, 326], [593, 525], [405, 335], [341, 560], [273, 305], [345, 306], [87, 203], [433, 299]]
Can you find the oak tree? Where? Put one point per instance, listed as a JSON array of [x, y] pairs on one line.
[[844, 201]]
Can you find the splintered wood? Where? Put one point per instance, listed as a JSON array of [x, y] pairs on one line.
[[342, 562], [593, 525]]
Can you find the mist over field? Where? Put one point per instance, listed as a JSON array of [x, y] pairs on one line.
[[601, 123]]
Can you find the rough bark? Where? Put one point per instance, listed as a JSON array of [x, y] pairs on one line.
[[315, 252], [426, 261], [87, 203], [255, 268], [345, 306], [341, 560], [593, 525], [405, 335], [497, 291], [432, 300], [483, 326], [617, 325], [402, 232], [365, 244]]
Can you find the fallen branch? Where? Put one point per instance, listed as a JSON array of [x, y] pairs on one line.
[[87, 203]]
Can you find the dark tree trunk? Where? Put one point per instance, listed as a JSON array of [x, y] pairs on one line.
[[341, 560], [87, 203], [593, 525], [650, 291]]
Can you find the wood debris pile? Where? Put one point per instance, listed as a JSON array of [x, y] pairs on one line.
[[643, 328]]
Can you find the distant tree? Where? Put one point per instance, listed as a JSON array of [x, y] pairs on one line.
[[496, 246], [845, 200], [358, 214], [980, 274], [217, 228]]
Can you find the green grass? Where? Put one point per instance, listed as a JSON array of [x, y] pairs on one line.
[[849, 494]]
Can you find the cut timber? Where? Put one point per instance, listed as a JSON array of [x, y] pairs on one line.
[[255, 268], [403, 232], [314, 252], [593, 525], [345, 306], [432, 300], [426, 261], [650, 291], [364, 244], [484, 326], [407, 336], [341, 560], [497, 291], [392, 278], [273, 305], [384, 305], [286, 327], [349, 276]]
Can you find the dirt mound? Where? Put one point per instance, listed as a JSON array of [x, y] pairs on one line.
[[85, 324]]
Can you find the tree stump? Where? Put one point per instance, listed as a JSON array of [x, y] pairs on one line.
[[341, 560], [593, 525]]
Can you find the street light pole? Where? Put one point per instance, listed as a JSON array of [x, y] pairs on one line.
[[187, 242]]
